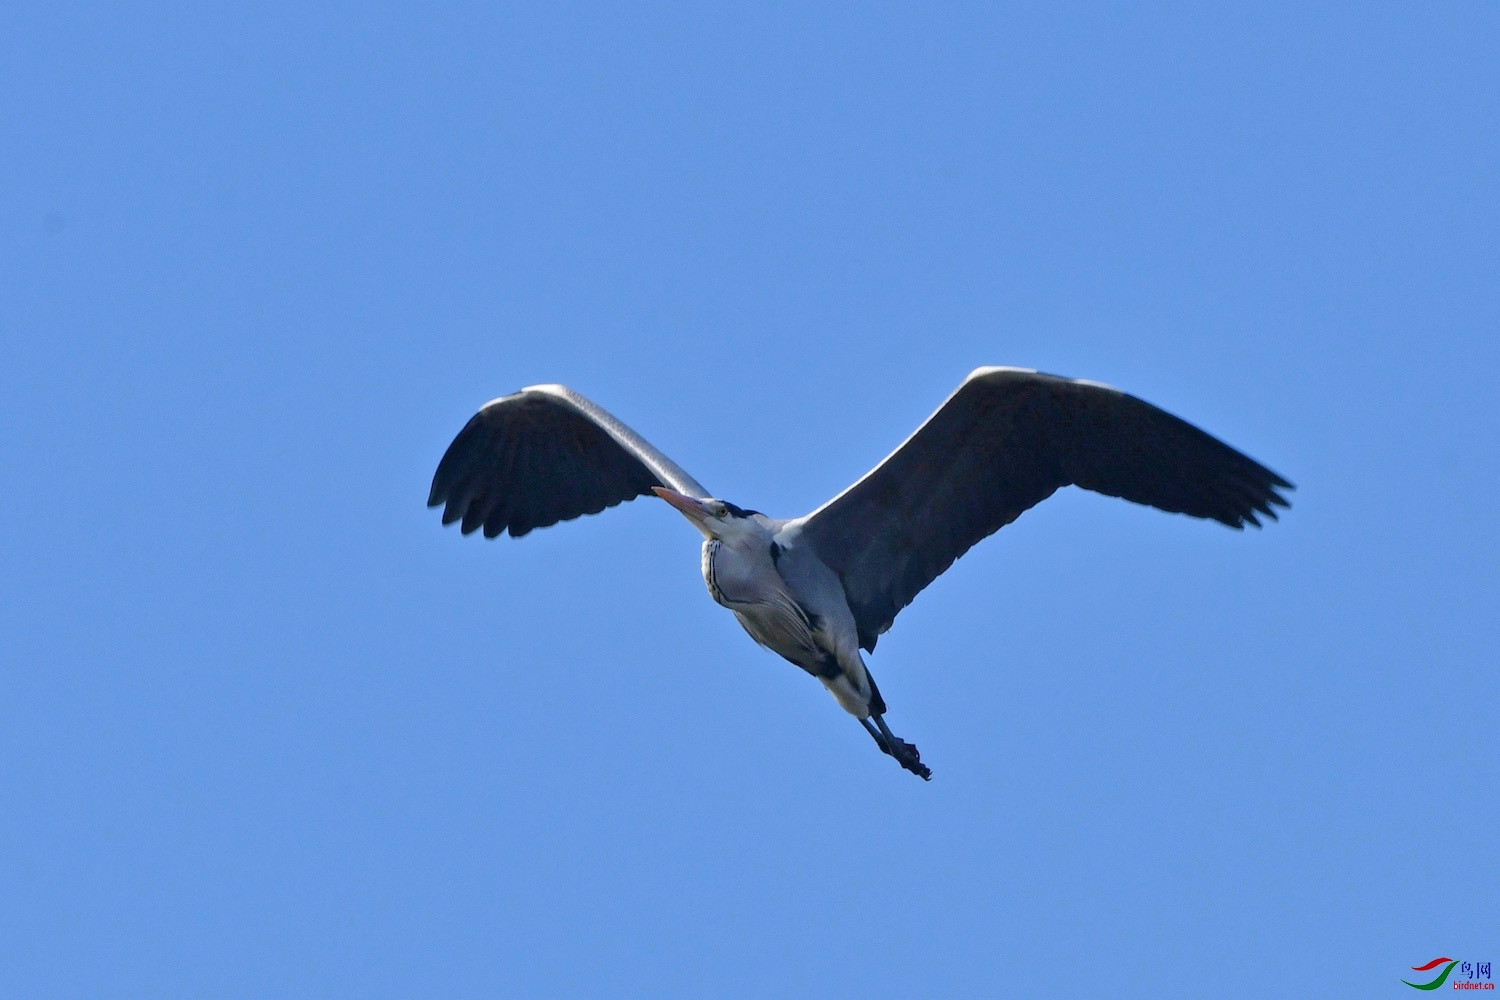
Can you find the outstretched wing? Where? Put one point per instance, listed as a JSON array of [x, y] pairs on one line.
[[1002, 443], [543, 455]]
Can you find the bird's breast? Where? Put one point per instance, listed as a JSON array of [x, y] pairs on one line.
[[740, 574]]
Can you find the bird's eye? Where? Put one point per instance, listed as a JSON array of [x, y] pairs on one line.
[[722, 511]]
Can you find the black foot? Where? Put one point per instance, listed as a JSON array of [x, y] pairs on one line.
[[906, 755]]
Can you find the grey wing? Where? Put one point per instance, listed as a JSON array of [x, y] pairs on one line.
[[1002, 443], [543, 455]]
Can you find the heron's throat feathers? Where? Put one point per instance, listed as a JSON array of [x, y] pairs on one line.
[[711, 549]]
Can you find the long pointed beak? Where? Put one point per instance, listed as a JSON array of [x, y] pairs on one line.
[[690, 506]]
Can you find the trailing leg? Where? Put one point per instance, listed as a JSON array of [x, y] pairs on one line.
[[875, 735]]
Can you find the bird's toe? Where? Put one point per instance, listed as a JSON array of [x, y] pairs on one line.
[[910, 759]]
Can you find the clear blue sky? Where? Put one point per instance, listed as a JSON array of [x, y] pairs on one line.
[[268, 730]]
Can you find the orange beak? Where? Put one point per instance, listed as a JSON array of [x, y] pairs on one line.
[[691, 507]]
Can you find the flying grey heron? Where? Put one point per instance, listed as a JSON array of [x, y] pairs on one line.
[[819, 588]]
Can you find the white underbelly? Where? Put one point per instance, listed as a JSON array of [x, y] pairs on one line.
[[781, 631], [792, 639]]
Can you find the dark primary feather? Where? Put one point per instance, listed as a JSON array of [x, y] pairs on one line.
[[543, 455], [1002, 443]]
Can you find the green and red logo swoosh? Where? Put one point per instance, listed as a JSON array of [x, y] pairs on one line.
[[1432, 965]]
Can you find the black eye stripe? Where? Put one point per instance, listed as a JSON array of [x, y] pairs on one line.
[[738, 511]]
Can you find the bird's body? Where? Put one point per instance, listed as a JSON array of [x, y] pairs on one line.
[[791, 604], [817, 589]]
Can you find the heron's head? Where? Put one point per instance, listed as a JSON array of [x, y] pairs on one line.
[[715, 518]]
